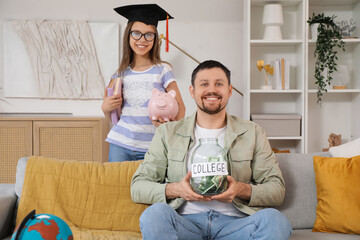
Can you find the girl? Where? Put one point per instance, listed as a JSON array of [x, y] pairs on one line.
[[141, 70]]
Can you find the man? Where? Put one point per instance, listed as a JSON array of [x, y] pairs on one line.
[[255, 180]]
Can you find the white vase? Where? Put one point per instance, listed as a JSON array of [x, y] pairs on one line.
[[314, 31], [340, 78], [266, 87]]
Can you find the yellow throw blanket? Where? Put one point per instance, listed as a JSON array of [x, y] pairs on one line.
[[93, 198]]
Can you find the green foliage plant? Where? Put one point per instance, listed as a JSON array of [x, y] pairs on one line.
[[328, 40]]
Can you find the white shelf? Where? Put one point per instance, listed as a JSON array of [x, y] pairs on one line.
[[286, 3], [281, 42], [332, 2], [345, 40], [336, 91], [285, 138], [275, 91]]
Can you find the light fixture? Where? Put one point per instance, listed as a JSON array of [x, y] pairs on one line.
[[272, 19]]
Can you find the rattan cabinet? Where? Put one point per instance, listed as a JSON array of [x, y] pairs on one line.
[[15, 142], [69, 138]]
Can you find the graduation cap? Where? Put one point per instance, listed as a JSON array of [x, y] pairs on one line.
[[147, 13]]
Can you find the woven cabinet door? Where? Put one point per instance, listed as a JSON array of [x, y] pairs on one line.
[[68, 140], [15, 142]]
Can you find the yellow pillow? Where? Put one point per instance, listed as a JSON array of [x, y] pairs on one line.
[[338, 193]]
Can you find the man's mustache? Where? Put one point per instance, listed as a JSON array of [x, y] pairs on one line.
[[211, 95]]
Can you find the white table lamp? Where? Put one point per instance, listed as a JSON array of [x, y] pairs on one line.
[[272, 19]]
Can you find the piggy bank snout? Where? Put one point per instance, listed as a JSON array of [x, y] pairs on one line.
[[161, 103]]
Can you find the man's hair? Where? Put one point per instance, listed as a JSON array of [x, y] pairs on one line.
[[208, 64]]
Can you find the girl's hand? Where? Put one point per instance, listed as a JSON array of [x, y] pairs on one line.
[[111, 103], [158, 122]]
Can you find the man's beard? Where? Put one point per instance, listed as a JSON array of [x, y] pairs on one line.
[[208, 110]]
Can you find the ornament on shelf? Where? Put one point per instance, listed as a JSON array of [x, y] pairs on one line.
[[340, 77], [275, 150], [314, 31], [272, 19], [334, 140], [347, 27], [268, 70]]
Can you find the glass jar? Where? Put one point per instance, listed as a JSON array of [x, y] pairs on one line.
[[209, 168], [340, 78]]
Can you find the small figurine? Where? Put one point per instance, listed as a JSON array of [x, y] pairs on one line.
[[334, 140]]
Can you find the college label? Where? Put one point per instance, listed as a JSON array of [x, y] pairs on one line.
[[209, 169]]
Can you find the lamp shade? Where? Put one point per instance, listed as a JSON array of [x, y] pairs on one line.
[[273, 14]]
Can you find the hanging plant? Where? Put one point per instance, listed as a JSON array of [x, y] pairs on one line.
[[328, 40]]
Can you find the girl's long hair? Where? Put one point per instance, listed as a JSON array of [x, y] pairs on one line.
[[128, 53]]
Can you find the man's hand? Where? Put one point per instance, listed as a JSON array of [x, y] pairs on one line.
[[183, 189], [235, 189]]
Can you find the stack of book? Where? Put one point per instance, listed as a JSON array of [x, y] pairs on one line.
[[282, 73], [114, 88]]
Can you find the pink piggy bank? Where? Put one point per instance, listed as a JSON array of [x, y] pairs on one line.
[[163, 104]]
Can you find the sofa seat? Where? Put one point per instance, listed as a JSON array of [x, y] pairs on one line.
[[87, 234], [303, 234], [299, 205]]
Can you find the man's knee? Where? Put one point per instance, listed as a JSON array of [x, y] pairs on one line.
[[274, 219], [272, 213], [155, 211]]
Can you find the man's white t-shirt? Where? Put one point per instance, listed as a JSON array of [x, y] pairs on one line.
[[198, 207]]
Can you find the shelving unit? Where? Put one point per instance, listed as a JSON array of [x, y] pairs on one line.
[[291, 47], [339, 112], [340, 109]]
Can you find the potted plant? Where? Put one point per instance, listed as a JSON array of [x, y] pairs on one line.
[[328, 40]]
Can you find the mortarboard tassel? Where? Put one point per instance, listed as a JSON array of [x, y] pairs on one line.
[[167, 34]]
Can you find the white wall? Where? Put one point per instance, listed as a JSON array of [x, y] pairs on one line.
[[206, 29]]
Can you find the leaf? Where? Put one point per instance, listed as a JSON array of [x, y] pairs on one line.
[[260, 64], [267, 67], [271, 71]]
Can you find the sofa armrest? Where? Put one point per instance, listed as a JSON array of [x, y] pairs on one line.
[[7, 207]]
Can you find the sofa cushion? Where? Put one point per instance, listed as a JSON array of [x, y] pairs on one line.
[[299, 205], [20, 175], [87, 195], [349, 149], [338, 194]]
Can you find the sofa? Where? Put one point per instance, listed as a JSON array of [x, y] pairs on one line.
[[299, 205]]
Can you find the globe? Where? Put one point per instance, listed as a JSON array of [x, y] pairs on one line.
[[42, 226]]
